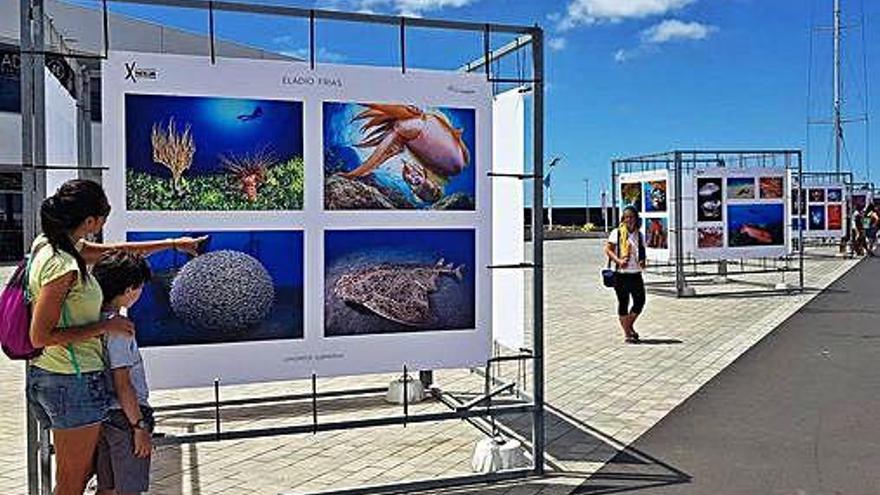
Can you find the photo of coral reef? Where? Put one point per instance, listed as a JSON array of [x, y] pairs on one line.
[[709, 200], [631, 195], [756, 225], [740, 188], [186, 153], [710, 237], [770, 187], [246, 286], [388, 156], [392, 281], [655, 196], [816, 217], [656, 233], [835, 217]]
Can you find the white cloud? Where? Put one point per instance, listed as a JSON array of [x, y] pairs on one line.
[[670, 30], [414, 8], [323, 55], [287, 45], [580, 12], [622, 55], [674, 30], [557, 44]]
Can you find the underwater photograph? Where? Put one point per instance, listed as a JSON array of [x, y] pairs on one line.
[[709, 200], [756, 225], [710, 237], [817, 195], [771, 187], [244, 287], [740, 188], [393, 281], [655, 196], [194, 153], [816, 217], [835, 195], [382, 156], [631, 195], [656, 233], [835, 216]]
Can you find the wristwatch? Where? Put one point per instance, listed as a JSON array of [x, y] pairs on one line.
[[140, 425]]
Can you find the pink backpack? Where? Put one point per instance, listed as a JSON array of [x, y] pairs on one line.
[[15, 316]]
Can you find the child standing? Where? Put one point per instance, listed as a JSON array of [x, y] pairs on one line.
[[125, 447]]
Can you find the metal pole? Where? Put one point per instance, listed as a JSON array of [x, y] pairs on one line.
[[587, 199], [800, 159], [679, 241], [550, 203], [838, 126], [538, 253], [605, 211]]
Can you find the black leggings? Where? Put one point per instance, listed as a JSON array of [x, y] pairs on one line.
[[626, 285]]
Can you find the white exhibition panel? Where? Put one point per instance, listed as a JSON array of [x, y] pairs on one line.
[[60, 134], [750, 209], [508, 227], [658, 223], [243, 362], [827, 204]]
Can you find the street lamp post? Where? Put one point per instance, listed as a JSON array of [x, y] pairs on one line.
[[548, 183]]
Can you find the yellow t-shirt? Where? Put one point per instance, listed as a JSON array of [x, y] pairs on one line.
[[82, 307]]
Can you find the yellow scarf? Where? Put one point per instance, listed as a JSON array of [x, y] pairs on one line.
[[623, 241]]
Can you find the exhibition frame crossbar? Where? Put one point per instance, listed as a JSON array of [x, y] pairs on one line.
[[528, 41], [738, 219]]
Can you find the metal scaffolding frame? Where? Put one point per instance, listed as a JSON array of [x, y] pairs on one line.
[[685, 269], [34, 50]]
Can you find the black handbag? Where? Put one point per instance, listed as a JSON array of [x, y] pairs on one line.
[[609, 275]]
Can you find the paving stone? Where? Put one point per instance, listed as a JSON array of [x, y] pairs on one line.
[[602, 393]]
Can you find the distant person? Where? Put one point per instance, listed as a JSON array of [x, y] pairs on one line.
[[858, 232], [871, 223], [125, 447], [626, 249]]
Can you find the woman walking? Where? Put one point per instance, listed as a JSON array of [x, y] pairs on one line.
[[66, 383], [626, 249]]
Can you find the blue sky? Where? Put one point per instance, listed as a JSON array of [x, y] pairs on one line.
[[627, 77]]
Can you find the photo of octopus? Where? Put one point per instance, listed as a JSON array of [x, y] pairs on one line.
[[393, 281], [395, 156]]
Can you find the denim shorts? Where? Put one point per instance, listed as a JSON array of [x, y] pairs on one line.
[[67, 401]]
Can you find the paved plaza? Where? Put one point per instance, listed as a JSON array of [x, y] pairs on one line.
[[602, 395]]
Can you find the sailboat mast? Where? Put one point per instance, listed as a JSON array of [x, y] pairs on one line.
[[838, 121]]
